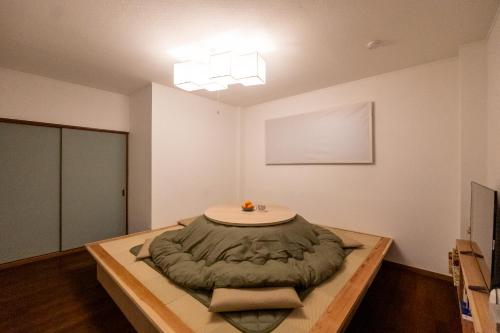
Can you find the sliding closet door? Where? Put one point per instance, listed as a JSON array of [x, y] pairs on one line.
[[93, 186], [29, 191]]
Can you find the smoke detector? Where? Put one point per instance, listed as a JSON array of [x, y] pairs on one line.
[[373, 44]]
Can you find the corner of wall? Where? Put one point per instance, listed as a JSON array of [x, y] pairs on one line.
[[139, 160], [239, 155], [472, 80], [493, 103], [195, 154]]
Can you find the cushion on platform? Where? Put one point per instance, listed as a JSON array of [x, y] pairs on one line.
[[350, 243], [232, 299], [187, 221], [144, 251]]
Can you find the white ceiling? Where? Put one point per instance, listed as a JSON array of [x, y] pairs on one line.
[[121, 45]]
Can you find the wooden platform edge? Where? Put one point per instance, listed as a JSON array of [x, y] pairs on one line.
[[144, 294], [342, 308]]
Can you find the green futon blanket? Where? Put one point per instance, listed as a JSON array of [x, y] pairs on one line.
[[206, 255]]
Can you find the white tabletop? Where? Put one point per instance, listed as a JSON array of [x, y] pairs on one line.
[[234, 215]]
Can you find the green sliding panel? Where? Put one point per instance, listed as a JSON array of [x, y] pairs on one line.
[[93, 186], [29, 190]]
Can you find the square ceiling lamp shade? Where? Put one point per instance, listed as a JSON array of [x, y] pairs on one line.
[[250, 69], [221, 66], [200, 74], [221, 70], [214, 86], [183, 76], [191, 76]]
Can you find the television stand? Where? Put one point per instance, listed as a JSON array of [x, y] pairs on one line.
[[472, 280], [480, 289], [472, 253]]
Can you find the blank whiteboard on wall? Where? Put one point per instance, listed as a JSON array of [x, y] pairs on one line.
[[341, 134]]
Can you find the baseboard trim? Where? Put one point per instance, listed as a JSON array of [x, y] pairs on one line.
[[25, 261], [419, 271]]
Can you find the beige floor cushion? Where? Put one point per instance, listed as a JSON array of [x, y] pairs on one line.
[[144, 251], [229, 299], [350, 243], [187, 221]]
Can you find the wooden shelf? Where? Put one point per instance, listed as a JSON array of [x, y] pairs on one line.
[[470, 275]]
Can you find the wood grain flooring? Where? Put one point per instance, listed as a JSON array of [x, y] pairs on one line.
[[62, 295], [401, 300], [57, 295]]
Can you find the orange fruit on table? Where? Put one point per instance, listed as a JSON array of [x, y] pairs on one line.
[[247, 205]]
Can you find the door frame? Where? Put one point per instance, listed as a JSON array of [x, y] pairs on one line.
[[61, 126]]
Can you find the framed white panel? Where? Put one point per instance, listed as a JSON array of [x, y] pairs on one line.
[[342, 134]]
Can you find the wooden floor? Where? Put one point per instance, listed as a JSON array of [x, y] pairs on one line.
[[63, 295], [57, 295], [400, 300]]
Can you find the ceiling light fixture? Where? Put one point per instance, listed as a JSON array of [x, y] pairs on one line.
[[219, 62]]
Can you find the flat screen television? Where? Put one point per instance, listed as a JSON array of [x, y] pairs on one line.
[[485, 232]]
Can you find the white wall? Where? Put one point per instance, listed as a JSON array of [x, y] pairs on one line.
[[493, 103], [139, 160], [195, 152], [430, 142], [37, 98], [473, 124], [411, 193]]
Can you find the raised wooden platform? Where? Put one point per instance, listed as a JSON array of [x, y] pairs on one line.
[[152, 305]]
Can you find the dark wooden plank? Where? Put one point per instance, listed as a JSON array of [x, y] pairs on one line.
[[420, 271], [57, 295], [25, 261], [63, 295], [402, 300]]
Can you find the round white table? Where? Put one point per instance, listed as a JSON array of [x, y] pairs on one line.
[[234, 215]]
